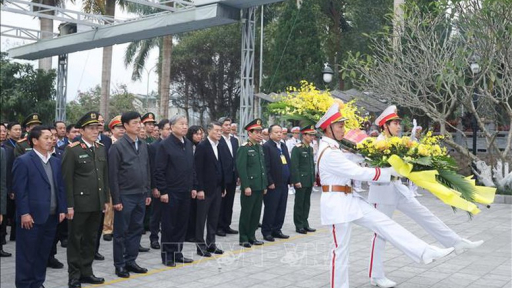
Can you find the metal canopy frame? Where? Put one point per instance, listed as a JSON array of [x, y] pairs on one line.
[[105, 31]]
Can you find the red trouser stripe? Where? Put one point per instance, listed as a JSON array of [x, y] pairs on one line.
[[333, 255], [373, 249]]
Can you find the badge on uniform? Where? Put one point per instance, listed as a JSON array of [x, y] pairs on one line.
[[283, 159], [83, 156]]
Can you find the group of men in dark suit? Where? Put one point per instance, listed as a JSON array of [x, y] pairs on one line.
[[131, 175]]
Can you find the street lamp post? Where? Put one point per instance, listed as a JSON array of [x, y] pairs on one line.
[[327, 73], [147, 85], [475, 69]]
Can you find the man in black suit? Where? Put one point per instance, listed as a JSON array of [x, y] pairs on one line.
[[156, 213], [210, 189], [175, 179], [277, 161], [71, 133], [228, 146]]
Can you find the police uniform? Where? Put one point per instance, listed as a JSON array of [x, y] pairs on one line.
[[85, 172], [387, 197], [303, 172], [290, 143], [250, 162], [340, 206], [22, 145], [148, 118]]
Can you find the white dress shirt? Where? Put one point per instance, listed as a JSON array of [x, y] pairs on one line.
[[215, 147], [228, 141]]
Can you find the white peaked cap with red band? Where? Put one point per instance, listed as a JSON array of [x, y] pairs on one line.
[[332, 115], [295, 129], [389, 113]]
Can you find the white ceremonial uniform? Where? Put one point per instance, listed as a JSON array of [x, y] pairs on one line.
[[340, 210], [387, 197], [290, 143]]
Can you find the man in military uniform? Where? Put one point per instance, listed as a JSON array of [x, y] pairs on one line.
[[30, 122], [85, 172], [149, 122], [303, 178], [250, 162]]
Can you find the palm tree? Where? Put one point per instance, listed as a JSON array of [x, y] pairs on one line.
[[137, 52], [46, 27]]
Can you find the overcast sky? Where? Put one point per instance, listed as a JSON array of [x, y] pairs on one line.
[[84, 67]]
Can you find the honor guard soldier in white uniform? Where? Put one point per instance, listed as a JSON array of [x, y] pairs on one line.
[[340, 206], [387, 197]]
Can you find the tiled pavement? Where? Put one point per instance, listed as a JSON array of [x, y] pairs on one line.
[[303, 260]]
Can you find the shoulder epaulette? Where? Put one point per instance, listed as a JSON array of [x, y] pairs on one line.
[[248, 143], [99, 143], [22, 140], [298, 145], [74, 144]]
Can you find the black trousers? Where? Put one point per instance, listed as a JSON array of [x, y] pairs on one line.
[[83, 230], [226, 208], [128, 226], [61, 234], [100, 231], [275, 209], [33, 248], [155, 220], [191, 226], [208, 211], [174, 225]]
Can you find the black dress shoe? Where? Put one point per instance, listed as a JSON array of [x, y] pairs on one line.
[[74, 283], [169, 263], [98, 256], [230, 231], [245, 244], [203, 253], [301, 231], [269, 238], [215, 250], [221, 233], [155, 245], [256, 242], [309, 229], [280, 235], [54, 263], [5, 254], [133, 267], [143, 249], [64, 243], [183, 260], [107, 237], [92, 280], [122, 272]]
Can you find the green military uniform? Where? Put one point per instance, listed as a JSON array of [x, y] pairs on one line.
[[23, 146], [85, 174], [303, 172], [148, 118], [250, 163]]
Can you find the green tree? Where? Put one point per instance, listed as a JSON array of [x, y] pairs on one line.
[[25, 90], [207, 71], [294, 48]]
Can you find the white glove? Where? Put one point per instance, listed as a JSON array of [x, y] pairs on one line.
[[393, 172]]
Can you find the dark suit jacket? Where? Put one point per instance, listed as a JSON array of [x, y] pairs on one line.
[[228, 161], [274, 164], [32, 187], [152, 157], [106, 141], [208, 168], [174, 163], [9, 157]]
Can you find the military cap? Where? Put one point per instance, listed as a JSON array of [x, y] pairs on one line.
[[116, 121], [390, 113], [31, 119], [148, 118], [295, 129], [333, 115], [90, 118], [254, 124], [310, 129]]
